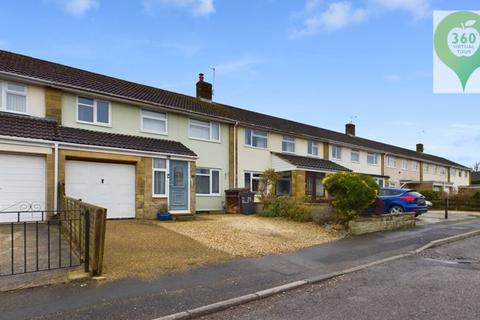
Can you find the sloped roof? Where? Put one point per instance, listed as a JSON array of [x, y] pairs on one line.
[[311, 162], [73, 78], [44, 129]]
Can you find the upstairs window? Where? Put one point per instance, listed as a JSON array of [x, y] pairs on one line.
[[207, 181], [204, 130], [256, 138], [336, 152], [312, 148], [414, 166], [391, 162], [372, 158], [14, 97], [355, 156], [288, 144], [426, 168], [93, 111], [155, 122], [404, 165], [442, 171]]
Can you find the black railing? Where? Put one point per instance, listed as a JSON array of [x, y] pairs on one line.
[[40, 240]]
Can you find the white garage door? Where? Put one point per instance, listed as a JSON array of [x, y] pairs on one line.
[[22, 186], [107, 185]]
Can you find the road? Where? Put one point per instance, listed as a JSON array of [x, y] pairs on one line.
[[440, 283], [142, 299]]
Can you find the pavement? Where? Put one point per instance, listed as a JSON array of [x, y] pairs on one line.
[[438, 216], [141, 299], [440, 283]]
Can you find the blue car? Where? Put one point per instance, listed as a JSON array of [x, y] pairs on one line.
[[397, 200]]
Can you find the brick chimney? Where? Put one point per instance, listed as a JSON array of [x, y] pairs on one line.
[[204, 89], [420, 147], [350, 129]]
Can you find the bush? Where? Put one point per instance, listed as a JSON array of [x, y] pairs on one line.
[[352, 192], [287, 207], [476, 195], [432, 195]]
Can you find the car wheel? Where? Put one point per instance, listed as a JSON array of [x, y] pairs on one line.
[[396, 209]]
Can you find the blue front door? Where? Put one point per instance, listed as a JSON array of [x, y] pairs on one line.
[[178, 186]]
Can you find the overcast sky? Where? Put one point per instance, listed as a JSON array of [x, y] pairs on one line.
[[320, 62]]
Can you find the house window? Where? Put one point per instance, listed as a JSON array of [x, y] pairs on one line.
[[159, 177], [336, 152], [288, 144], [312, 148], [380, 182], [355, 156], [404, 165], [372, 158], [465, 174], [14, 97], [204, 130], [284, 183], [252, 181], [426, 168], [256, 138], [442, 171], [392, 184], [207, 181], [414, 166], [459, 173], [155, 122], [93, 111], [391, 162]]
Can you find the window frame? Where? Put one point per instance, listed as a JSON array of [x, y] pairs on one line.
[[251, 173], [210, 128], [404, 164], [95, 110], [414, 166], [375, 157], [394, 162], [337, 149], [288, 140], [311, 145], [165, 170], [4, 91], [352, 152], [252, 134], [142, 116], [210, 182]]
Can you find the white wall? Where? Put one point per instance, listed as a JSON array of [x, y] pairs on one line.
[[362, 166]]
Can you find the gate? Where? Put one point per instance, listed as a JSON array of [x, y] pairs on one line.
[[39, 240]]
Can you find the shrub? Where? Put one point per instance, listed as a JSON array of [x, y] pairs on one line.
[[267, 188], [476, 195], [287, 207], [352, 192], [431, 194]]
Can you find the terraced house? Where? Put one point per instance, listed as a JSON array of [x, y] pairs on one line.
[[138, 150]]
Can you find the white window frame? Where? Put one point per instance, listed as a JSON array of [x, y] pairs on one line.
[[4, 90], [338, 152], [153, 117], [210, 129], [252, 178], [426, 168], [210, 175], [352, 152], [95, 102], [415, 166], [404, 164], [442, 171], [288, 140], [313, 147], [375, 158], [252, 134], [377, 180], [392, 184], [394, 160], [165, 170]]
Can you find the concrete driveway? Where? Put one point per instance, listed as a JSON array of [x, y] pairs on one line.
[[437, 216]]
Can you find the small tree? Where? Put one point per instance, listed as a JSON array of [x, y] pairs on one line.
[[476, 167], [268, 186], [352, 192]]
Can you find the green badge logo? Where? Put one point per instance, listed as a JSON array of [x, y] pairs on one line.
[[456, 41]]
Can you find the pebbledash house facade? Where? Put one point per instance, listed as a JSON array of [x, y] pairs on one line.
[[139, 150]]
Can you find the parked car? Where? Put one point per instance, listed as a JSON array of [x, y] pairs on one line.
[[397, 200]]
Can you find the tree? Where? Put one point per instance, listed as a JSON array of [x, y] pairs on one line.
[[268, 186], [476, 167], [352, 192]]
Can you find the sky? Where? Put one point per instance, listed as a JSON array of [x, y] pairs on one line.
[[320, 62]]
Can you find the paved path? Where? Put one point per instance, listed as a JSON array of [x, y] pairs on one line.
[[440, 283], [137, 299]]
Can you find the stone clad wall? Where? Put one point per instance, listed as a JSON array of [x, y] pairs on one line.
[[384, 222]]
